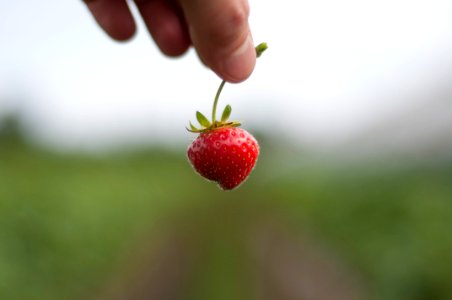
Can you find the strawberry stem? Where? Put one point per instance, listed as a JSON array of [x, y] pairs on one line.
[[259, 50], [215, 102]]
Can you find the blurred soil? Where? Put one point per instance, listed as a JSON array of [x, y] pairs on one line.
[[275, 260]]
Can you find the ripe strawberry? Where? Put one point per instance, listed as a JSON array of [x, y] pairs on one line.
[[225, 155], [222, 152]]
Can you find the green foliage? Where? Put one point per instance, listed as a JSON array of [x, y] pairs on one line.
[[67, 221], [202, 119], [192, 127], [226, 113]]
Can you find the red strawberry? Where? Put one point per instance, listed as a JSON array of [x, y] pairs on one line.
[[222, 152], [225, 155]]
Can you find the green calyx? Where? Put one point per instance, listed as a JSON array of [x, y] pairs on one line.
[[207, 125]]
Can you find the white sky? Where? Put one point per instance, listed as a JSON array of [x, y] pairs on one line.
[[333, 68]]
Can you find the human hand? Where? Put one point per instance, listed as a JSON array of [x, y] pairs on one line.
[[218, 30]]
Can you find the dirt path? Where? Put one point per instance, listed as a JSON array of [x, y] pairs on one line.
[[230, 251]]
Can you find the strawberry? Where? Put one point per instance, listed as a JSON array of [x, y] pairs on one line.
[[223, 152], [225, 155]]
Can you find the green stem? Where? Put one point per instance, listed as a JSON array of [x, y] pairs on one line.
[[215, 102], [259, 50]]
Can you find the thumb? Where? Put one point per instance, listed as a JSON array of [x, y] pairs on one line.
[[220, 33]]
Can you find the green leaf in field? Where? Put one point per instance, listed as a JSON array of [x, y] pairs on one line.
[[202, 119], [226, 113]]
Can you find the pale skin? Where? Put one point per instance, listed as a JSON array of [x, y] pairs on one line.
[[217, 29]]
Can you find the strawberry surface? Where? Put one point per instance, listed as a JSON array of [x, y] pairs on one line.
[[225, 155]]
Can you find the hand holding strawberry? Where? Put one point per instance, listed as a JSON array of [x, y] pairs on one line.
[[223, 152]]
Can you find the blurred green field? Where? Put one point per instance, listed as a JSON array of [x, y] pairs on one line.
[[68, 220]]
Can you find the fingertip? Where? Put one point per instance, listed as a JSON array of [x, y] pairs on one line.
[[238, 66], [123, 32], [114, 17], [171, 38], [166, 25], [175, 50]]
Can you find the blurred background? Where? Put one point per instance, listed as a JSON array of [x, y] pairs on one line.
[[351, 197]]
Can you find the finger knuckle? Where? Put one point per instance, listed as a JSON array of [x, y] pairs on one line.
[[238, 16], [229, 26]]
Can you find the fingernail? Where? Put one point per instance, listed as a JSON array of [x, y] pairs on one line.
[[239, 65]]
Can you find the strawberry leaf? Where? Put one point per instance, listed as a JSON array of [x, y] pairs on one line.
[[226, 113], [202, 119], [193, 128]]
